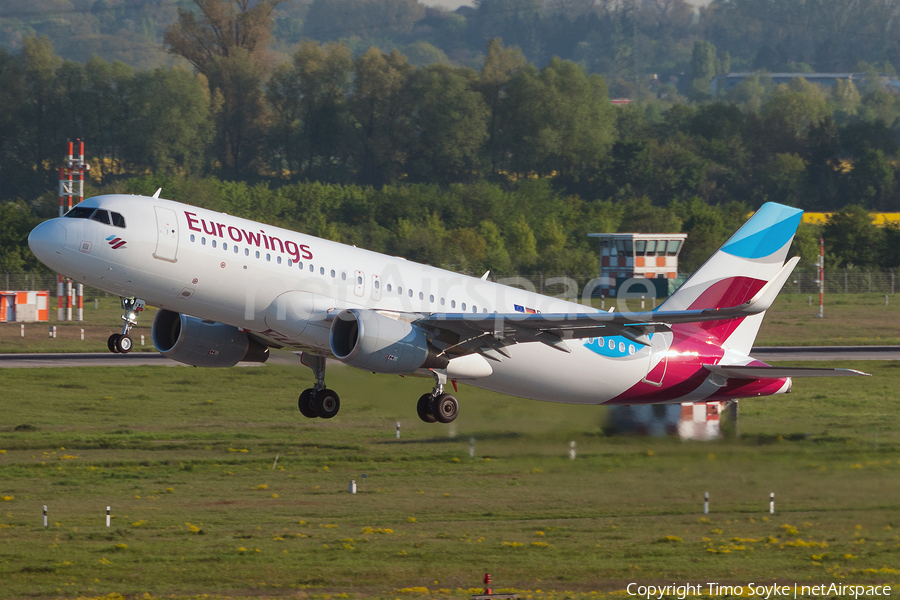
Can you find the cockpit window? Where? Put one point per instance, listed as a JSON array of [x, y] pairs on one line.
[[100, 215], [118, 220], [80, 212]]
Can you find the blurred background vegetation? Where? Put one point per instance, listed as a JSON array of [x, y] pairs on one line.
[[480, 138]]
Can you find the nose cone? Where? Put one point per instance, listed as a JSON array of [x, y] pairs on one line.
[[47, 241]]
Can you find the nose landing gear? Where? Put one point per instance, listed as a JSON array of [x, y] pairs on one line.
[[121, 343]]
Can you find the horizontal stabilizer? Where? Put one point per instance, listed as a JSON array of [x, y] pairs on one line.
[[744, 372]]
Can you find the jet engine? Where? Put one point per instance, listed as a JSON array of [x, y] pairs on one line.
[[204, 343], [374, 342]]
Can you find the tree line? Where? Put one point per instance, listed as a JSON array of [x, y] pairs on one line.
[[357, 124], [376, 119]]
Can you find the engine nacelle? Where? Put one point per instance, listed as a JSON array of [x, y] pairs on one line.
[[374, 342], [203, 343]]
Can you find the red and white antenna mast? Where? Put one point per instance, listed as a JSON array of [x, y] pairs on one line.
[[821, 266], [71, 184]]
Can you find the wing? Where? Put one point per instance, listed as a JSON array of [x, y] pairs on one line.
[[457, 334]]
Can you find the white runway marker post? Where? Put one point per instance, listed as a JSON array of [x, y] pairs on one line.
[[45, 515], [471, 447], [771, 502], [142, 340], [398, 430], [107, 516], [352, 486], [23, 331], [572, 450], [82, 335], [705, 503]]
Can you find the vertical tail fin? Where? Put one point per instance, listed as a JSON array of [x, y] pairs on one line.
[[733, 275]]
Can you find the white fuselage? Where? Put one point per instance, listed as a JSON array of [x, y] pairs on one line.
[[281, 285]]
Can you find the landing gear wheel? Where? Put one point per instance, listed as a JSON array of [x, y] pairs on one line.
[[305, 404], [423, 407], [445, 408], [124, 344], [326, 403], [112, 342]]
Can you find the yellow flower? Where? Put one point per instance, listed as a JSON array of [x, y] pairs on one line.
[[262, 486]]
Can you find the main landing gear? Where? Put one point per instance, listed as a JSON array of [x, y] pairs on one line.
[[121, 343], [318, 401], [438, 406]]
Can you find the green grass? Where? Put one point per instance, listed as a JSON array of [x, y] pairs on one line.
[[851, 319], [184, 456]]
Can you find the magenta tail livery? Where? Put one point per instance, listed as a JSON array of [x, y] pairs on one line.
[[229, 289]]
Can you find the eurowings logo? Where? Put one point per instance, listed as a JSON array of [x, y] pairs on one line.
[[115, 242]]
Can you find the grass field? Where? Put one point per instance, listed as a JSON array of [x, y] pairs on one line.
[[185, 459], [851, 319]]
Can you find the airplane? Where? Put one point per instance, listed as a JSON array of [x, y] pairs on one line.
[[228, 289]]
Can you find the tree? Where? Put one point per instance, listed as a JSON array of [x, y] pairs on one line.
[[332, 20], [227, 42], [309, 98], [501, 65], [172, 127], [850, 235], [451, 124], [382, 107], [872, 181], [703, 68]]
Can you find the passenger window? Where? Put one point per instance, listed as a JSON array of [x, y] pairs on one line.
[[192, 237], [484, 310], [278, 260], [214, 243], [225, 247], [321, 270], [118, 220], [359, 280], [464, 306], [203, 241], [400, 290], [257, 254], [442, 301], [431, 298], [388, 287], [311, 269], [474, 309], [290, 263], [410, 293], [300, 265], [421, 296], [235, 249], [100, 216], [333, 273], [344, 276], [246, 251], [268, 257], [453, 304], [80, 212]]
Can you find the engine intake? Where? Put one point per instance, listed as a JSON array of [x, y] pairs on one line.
[[203, 343], [374, 342]]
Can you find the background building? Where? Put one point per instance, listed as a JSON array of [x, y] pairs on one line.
[[652, 256]]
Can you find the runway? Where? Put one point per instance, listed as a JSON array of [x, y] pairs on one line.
[[136, 359], [108, 359]]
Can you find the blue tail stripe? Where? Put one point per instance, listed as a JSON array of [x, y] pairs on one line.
[[767, 231]]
